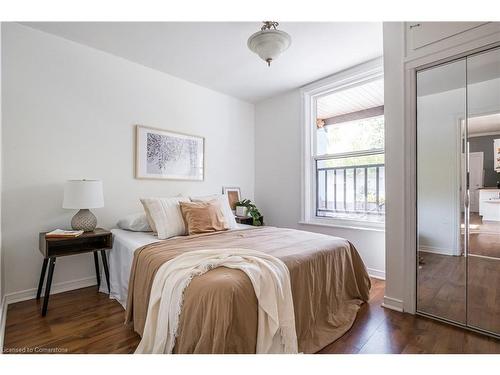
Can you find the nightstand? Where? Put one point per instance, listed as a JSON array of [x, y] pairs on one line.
[[248, 220], [244, 220], [96, 241]]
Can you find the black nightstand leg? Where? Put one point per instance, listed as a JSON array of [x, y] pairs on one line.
[[52, 264], [97, 273], [106, 269], [42, 278]]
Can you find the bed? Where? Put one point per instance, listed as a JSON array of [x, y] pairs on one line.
[[125, 243], [219, 314]]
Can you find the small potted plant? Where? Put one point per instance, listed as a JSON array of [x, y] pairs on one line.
[[247, 208], [241, 209]]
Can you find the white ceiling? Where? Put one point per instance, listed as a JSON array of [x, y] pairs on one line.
[[215, 54], [353, 99], [480, 125]]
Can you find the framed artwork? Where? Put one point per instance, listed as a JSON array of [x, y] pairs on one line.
[[162, 154], [233, 195]]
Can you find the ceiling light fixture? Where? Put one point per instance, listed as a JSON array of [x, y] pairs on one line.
[[269, 42]]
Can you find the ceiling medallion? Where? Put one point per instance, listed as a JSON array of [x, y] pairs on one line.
[[269, 42]]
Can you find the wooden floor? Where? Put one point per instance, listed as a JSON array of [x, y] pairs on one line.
[[378, 330], [462, 288], [84, 321], [79, 321], [441, 286]]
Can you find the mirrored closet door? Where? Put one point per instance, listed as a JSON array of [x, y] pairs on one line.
[[441, 107], [458, 191], [483, 136]]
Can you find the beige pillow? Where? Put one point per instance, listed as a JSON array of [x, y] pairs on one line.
[[224, 204], [203, 217], [164, 216]]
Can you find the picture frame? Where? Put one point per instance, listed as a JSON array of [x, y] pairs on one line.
[[168, 155], [233, 195]]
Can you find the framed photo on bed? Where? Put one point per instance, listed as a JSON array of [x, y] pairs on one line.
[[163, 154]]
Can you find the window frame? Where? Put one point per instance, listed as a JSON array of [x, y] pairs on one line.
[[352, 77]]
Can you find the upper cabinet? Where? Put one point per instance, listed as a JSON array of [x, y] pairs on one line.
[[421, 34], [424, 38]]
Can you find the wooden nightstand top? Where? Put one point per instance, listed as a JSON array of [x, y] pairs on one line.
[[248, 220], [99, 239], [244, 220]]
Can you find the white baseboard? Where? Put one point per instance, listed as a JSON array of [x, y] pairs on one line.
[[376, 274], [65, 286], [393, 304], [438, 250], [3, 318]]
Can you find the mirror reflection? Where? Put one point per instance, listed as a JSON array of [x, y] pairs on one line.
[[483, 282], [458, 191], [441, 105]]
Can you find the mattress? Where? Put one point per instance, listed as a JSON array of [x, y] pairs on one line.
[[219, 314], [120, 258]]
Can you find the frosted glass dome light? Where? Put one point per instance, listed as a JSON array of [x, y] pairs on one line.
[[269, 43]]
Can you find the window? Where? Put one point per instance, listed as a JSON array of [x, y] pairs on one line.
[[345, 166]]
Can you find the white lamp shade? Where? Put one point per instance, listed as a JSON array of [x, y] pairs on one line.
[[80, 194]]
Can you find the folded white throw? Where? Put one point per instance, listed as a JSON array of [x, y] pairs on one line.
[[270, 279]]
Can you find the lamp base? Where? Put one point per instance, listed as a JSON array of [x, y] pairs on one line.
[[84, 220]]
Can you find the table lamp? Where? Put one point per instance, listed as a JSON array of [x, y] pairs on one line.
[[83, 195]]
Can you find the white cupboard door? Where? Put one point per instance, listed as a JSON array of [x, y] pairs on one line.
[[425, 33], [475, 178], [428, 38]]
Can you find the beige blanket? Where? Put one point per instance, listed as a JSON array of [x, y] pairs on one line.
[[270, 279], [328, 279]]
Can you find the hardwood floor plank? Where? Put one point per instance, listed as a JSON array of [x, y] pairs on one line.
[[85, 321], [369, 317], [79, 321]]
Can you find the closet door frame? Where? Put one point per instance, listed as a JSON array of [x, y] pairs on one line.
[[411, 235], [404, 112]]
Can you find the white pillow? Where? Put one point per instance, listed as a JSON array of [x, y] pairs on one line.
[[224, 203], [135, 222], [166, 216]]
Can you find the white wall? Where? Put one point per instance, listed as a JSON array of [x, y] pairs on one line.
[[394, 163], [68, 112], [2, 311], [438, 167], [1, 253], [278, 177]]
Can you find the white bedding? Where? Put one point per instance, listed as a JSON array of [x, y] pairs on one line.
[[120, 260]]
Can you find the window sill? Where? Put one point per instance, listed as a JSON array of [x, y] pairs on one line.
[[345, 224]]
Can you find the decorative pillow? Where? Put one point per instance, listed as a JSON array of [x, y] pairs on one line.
[[224, 204], [137, 222], [203, 217], [149, 219], [164, 216]]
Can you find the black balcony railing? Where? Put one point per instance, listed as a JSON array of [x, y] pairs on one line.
[[356, 189]]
